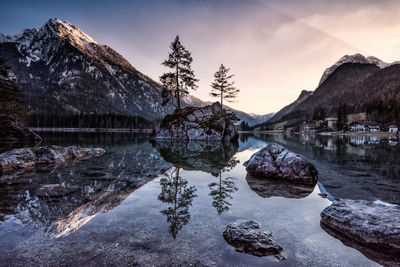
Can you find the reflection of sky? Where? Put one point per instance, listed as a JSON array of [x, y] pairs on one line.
[[275, 48]]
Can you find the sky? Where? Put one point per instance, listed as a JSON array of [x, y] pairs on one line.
[[275, 48]]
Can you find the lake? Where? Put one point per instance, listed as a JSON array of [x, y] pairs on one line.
[[160, 204]]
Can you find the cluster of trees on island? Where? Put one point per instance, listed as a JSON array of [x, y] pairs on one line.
[[180, 79]]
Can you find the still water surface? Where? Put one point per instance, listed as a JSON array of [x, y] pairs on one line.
[[161, 204]]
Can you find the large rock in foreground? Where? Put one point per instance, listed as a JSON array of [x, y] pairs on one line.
[[373, 229], [12, 132], [274, 161], [246, 237], [191, 123], [42, 157]]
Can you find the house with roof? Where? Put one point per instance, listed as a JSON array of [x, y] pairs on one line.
[[357, 127], [331, 123], [374, 128]]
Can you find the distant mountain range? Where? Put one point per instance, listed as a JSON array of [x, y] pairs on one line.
[[363, 84], [63, 70], [251, 119]]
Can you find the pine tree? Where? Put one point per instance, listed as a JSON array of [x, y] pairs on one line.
[[180, 79], [11, 96], [341, 124], [222, 87]]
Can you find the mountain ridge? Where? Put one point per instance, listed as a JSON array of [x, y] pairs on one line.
[[60, 66], [363, 84]]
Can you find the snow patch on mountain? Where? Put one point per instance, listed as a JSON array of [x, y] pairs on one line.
[[356, 58]]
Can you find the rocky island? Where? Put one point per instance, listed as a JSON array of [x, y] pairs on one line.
[[210, 123]]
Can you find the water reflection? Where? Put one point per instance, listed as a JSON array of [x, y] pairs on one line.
[[267, 188], [222, 190], [61, 200], [373, 254], [179, 196], [210, 157], [351, 167]]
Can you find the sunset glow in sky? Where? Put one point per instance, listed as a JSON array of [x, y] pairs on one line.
[[275, 48]]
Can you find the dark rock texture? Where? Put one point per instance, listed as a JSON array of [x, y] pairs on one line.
[[373, 229], [210, 123], [42, 157], [274, 161], [11, 132], [246, 237]]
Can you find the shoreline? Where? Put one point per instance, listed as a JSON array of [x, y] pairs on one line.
[[382, 134], [90, 130]]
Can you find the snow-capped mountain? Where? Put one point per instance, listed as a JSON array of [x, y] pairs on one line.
[[356, 58], [62, 69]]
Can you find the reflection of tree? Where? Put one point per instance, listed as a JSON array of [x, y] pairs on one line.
[[176, 193], [341, 150], [222, 190]]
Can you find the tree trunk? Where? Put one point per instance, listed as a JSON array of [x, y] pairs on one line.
[[177, 88], [222, 96]]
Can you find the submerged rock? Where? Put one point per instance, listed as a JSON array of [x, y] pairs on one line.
[[13, 134], [246, 237], [205, 123], [42, 157], [274, 161], [371, 228]]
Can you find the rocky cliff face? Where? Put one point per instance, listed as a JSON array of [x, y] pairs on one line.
[[209, 123], [62, 69]]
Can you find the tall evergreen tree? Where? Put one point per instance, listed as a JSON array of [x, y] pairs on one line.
[[222, 86], [180, 79], [11, 97], [342, 118]]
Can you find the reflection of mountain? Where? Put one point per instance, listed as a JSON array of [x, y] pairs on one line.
[[179, 196], [61, 201], [275, 188], [247, 141], [208, 157]]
